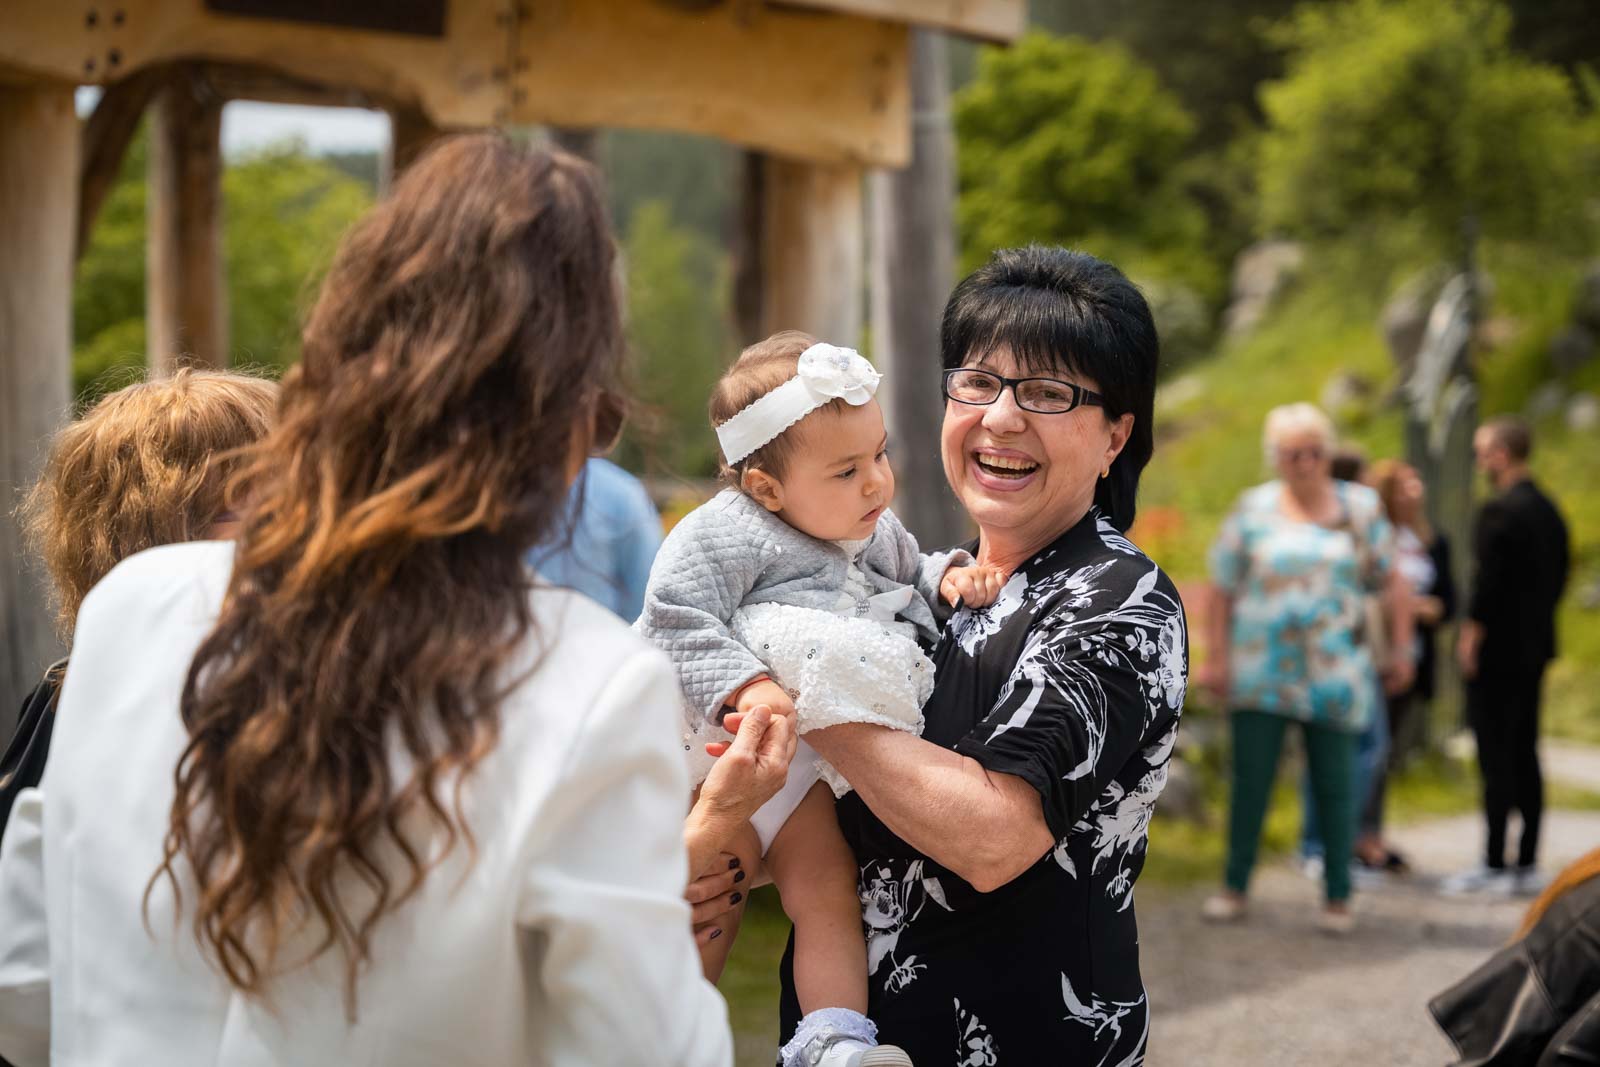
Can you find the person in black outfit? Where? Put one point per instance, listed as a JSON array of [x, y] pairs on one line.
[[1509, 635]]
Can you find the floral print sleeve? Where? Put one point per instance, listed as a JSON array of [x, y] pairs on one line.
[[1090, 688]]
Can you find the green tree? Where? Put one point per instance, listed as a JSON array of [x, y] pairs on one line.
[[678, 327], [284, 211], [1063, 141], [1405, 116]]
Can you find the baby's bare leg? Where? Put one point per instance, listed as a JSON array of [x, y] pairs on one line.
[[815, 872], [715, 938]]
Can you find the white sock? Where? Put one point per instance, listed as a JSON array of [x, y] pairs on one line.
[[835, 1029]]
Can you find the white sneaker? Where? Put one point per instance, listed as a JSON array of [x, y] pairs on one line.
[[1223, 908], [1340, 922], [1494, 880], [1527, 882]]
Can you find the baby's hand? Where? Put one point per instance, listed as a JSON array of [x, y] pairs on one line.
[[974, 587], [767, 692]]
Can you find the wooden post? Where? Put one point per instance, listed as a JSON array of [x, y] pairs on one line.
[[186, 293], [411, 131], [581, 141], [38, 230], [749, 216], [912, 269], [812, 250]]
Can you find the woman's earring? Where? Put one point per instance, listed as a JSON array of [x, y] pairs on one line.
[[1107, 472]]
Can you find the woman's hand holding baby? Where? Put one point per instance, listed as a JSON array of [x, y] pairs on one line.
[[977, 586]]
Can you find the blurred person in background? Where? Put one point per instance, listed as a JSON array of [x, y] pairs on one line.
[[1520, 564], [610, 539], [146, 465], [1292, 567], [1422, 554]]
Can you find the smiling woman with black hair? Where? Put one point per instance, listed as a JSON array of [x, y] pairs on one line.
[[997, 853]]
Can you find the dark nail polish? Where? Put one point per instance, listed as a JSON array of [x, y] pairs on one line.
[[735, 898], [737, 878], [733, 864], [715, 934]]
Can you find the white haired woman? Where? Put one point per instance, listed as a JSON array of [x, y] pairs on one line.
[[1292, 570]]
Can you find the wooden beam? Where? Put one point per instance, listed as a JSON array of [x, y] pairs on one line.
[[106, 136], [818, 85], [912, 270], [990, 20], [812, 245], [38, 202], [186, 295]]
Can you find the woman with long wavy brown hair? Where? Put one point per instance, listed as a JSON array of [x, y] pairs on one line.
[[359, 790]]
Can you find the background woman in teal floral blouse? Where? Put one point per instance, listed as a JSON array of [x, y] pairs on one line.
[[1294, 568]]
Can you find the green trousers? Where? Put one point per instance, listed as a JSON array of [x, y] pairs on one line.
[[1330, 762]]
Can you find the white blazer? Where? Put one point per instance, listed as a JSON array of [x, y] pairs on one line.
[[564, 940]]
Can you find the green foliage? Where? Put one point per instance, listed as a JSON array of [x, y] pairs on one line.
[[677, 306], [283, 216], [283, 213], [693, 175], [1417, 113], [1062, 141]]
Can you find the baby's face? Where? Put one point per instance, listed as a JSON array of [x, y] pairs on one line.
[[838, 480]]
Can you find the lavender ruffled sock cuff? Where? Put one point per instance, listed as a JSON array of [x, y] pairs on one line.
[[827, 1025]]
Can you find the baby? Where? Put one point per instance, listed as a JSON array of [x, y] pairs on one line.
[[799, 589]]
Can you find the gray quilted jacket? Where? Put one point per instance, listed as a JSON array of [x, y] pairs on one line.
[[731, 551]]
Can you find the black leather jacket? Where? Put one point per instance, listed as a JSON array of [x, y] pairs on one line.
[[1536, 1002]]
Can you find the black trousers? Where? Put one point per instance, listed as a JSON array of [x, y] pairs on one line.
[[1503, 708]]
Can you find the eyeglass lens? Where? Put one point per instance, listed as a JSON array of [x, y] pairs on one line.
[[1034, 394]]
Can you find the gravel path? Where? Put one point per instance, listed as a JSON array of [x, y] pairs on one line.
[[1274, 991]]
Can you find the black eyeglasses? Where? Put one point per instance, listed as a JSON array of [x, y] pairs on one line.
[[1044, 396]]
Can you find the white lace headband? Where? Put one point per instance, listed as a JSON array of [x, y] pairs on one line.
[[826, 372]]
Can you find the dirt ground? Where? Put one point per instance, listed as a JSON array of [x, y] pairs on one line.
[[1273, 990]]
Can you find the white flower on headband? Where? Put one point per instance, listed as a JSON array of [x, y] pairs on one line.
[[832, 371], [825, 373]]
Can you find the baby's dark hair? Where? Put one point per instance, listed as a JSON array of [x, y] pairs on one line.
[[759, 370]]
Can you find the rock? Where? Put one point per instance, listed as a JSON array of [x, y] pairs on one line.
[[1260, 273], [1347, 392], [1182, 797], [1404, 320], [1586, 305], [1583, 413], [1572, 348], [1589, 594], [1182, 320], [1546, 400]]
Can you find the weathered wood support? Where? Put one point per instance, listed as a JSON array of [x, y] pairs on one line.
[[812, 249], [411, 131], [912, 269], [106, 136], [186, 293], [38, 209]]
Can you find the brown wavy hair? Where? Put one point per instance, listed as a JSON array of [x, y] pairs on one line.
[[147, 465], [465, 342]]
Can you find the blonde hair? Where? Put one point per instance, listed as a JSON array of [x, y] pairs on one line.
[[759, 370], [147, 465], [1296, 418]]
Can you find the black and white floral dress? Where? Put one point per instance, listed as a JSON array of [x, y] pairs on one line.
[[1072, 680]]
